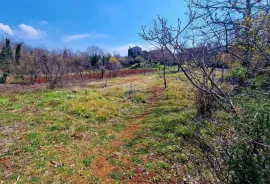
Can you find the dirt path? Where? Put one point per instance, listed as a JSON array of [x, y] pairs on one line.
[[103, 169]]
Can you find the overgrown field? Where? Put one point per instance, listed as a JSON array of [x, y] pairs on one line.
[[131, 130]]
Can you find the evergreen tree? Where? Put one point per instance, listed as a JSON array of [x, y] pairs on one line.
[[94, 59], [9, 55], [2, 56], [65, 54], [3, 79], [18, 53], [6, 53]]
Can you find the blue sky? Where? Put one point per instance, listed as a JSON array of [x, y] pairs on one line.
[[76, 24]]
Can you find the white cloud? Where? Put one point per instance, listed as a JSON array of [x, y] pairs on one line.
[[75, 37], [6, 29], [43, 22], [30, 32]]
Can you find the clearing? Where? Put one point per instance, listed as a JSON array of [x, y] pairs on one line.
[[127, 132]]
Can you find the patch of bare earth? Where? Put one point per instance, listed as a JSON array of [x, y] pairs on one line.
[[101, 166]]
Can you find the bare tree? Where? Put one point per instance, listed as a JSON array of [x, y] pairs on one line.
[[161, 56], [54, 66], [218, 32], [198, 70], [92, 50], [239, 27], [116, 54]]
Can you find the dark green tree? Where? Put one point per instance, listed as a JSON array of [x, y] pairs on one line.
[[2, 55], [3, 79], [94, 59], [8, 50], [18, 53], [6, 53], [65, 54]]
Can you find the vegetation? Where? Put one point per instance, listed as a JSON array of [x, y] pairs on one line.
[[236, 38], [60, 133], [203, 117], [27, 65]]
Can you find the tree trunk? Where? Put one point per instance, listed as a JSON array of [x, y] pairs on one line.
[[36, 76], [164, 77], [102, 74]]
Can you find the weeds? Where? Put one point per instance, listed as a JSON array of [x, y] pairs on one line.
[[116, 175], [45, 127], [87, 161]]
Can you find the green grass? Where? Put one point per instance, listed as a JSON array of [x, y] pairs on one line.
[[164, 142], [116, 175], [45, 127], [41, 127], [87, 161]]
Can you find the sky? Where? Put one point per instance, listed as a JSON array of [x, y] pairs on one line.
[[77, 24]]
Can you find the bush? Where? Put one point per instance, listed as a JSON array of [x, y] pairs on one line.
[[87, 161], [116, 175], [247, 166], [249, 159], [238, 74], [204, 103], [18, 79], [137, 65], [3, 79]]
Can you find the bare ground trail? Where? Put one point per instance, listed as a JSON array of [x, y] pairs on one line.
[[102, 168]]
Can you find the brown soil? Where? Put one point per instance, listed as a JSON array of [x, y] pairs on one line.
[[6, 163], [101, 166]]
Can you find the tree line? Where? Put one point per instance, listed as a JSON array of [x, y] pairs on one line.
[[21, 61]]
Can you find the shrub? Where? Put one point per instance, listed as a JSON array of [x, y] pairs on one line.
[[3, 79], [238, 74], [249, 158], [87, 161], [204, 103], [116, 175], [138, 59]]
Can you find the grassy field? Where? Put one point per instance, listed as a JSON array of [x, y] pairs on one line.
[[132, 131]]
